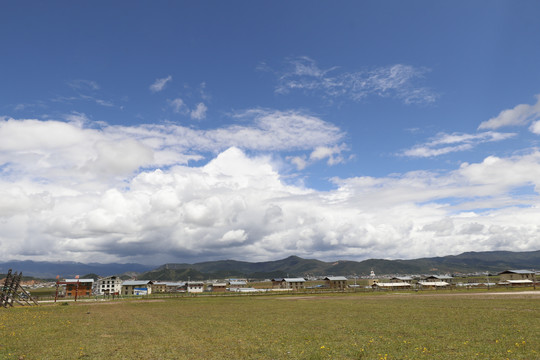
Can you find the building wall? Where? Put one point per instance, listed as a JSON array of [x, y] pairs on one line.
[[85, 289], [293, 285], [130, 289], [336, 284], [110, 285], [159, 288], [195, 288], [221, 288]]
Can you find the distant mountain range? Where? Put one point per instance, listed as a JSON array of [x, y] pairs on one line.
[[49, 270], [469, 262]]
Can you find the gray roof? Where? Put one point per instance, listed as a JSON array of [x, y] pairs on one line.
[[524, 272], [439, 277], [136, 282], [336, 278], [164, 283], [238, 282], [79, 280], [174, 283], [294, 279], [402, 278]]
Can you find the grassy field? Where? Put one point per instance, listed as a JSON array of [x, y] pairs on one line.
[[445, 325]]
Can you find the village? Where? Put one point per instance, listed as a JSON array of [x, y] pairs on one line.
[[116, 287]]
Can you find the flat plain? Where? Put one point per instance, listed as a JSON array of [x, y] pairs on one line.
[[396, 325]]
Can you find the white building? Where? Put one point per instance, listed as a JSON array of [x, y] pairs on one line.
[[195, 286], [110, 285]]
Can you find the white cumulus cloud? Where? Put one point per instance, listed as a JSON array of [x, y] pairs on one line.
[[238, 206], [520, 115], [79, 151], [535, 127], [97, 192]]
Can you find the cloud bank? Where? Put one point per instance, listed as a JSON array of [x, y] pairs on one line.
[[79, 151], [113, 193]]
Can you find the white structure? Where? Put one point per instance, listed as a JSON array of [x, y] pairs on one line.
[[110, 285], [195, 286], [433, 284], [393, 285]]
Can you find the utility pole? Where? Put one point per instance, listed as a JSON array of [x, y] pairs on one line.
[[57, 285], [77, 288]]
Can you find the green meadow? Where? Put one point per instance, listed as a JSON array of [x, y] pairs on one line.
[[442, 325]]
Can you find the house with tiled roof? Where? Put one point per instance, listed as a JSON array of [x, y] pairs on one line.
[[293, 283], [336, 282], [77, 287]]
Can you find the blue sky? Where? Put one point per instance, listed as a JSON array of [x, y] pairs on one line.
[[148, 132]]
